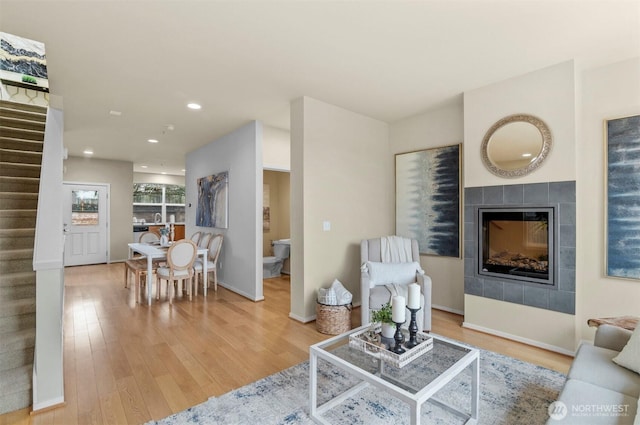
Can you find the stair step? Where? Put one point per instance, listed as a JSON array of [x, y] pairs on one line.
[[21, 144], [18, 279], [18, 157], [11, 169], [15, 401], [15, 293], [17, 219], [16, 379], [16, 308], [16, 238], [14, 341], [17, 200], [16, 260], [16, 359], [12, 112], [19, 184], [21, 123], [18, 133], [18, 323], [17, 106]]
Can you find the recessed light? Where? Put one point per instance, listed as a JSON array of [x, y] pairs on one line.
[[144, 166], [183, 170], [87, 152], [526, 155], [164, 172], [194, 106], [115, 113], [152, 141]]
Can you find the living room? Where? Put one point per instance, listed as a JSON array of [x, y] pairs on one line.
[[334, 147]]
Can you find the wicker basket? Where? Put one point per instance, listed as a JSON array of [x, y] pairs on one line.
[[333, 319]]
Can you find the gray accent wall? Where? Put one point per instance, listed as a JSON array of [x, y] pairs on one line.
[[560, 297]]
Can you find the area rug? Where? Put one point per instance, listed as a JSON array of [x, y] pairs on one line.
[[511, 392]]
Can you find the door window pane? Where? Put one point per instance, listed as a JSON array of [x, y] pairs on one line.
[[84, 208]]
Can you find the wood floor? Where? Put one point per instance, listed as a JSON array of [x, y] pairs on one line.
[[128, 364]]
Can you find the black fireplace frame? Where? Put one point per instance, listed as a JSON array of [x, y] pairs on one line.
[[514, 276]]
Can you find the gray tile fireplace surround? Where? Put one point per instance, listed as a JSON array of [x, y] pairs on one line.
[[559, 297]]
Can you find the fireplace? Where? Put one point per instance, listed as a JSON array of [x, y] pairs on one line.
[[517, 243]]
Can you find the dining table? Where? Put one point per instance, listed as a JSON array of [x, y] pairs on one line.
[[153, 251]]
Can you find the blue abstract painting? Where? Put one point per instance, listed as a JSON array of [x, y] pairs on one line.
[[428, 199], [213, 197], [623, 197]]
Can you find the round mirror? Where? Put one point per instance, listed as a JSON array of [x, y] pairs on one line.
[[516, 145]]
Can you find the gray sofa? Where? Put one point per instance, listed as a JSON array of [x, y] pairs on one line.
[[597, 390]]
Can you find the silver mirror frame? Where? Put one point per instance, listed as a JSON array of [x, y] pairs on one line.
[[533, 165]]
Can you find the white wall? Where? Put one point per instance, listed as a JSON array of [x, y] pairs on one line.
[[119, 175], [239, 153], [549, 94], [342, 172], [608, 92], [440, 127], [276, 149], [158, 178]]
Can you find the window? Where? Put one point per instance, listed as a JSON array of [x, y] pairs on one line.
[[84, 208], [150, 199]]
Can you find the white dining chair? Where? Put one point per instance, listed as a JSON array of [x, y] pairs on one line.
[[180, 258], [214, 248], [196, 237], [147, 237]]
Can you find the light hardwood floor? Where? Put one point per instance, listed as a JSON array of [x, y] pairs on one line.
[[128, 364]]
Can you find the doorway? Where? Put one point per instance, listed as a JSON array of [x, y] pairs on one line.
[[86, 221], [276, 212]]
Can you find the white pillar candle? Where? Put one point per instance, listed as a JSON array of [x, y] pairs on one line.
[[172, 218], [414, 296], [398, 309]]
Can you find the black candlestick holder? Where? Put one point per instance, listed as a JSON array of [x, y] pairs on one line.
[[399, 338], [413, 329]]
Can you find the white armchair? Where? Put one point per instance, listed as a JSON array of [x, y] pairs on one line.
[[384, 263]]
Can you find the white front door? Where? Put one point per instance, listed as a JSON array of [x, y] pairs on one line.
[[85, 222]]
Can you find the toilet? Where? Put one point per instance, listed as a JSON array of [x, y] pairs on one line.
[[272, 266]]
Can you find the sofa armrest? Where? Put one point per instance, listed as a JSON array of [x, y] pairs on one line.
[[425, 282], [365, 285], [611, 337]]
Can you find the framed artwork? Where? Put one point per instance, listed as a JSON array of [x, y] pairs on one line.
[[213, 201], [622, 223], [428, 199], [266, 208]]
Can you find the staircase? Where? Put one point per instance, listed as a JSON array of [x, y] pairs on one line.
[[21, 140]]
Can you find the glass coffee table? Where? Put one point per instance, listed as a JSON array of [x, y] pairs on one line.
[[414, 384]]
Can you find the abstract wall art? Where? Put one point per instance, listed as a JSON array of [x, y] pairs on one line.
[[622, 145], [428, 199], [213, 201]]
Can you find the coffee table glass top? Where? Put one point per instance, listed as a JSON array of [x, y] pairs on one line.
[[412, 377]]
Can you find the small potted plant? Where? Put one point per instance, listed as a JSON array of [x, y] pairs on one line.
[[384, 317]]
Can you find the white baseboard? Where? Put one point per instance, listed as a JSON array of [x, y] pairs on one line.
[[244, 294], [447, 309], [48, 404], [302, 319], [517, 338]]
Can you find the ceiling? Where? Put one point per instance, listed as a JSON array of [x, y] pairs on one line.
[[246, 60]]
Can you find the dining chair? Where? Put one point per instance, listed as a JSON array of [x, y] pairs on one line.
[[196, 237], [204, 239], [147, 237], [214, 248], [138, 267], [180, 258]]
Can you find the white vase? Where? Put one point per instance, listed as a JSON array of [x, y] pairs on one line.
[[164, 240], [388, 330]]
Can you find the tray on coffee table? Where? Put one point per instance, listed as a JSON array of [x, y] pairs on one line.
[[361, 340]]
